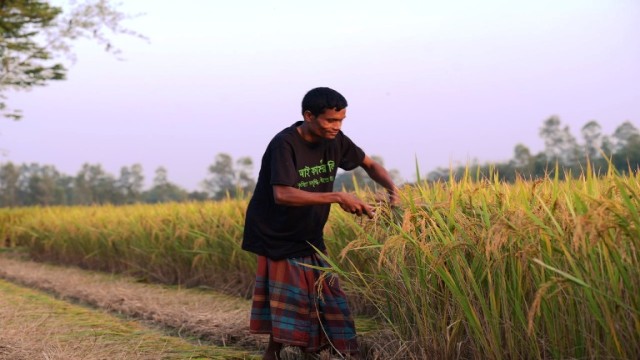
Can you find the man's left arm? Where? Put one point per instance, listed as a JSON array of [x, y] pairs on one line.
[[380, 175]]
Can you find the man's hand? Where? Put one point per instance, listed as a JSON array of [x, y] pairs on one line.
[[380, 175], [394, 198], [351, 204]]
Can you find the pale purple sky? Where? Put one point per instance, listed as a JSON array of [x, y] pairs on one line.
[[441, 81]]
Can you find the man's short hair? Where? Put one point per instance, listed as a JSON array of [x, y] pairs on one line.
[[322, 98]]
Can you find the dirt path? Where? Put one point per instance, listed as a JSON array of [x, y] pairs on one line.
[[34, 325]]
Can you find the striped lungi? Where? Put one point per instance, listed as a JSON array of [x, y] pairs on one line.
[[287, 305]]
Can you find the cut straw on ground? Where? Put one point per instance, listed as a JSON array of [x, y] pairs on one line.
[[205, 315], [36, 326]]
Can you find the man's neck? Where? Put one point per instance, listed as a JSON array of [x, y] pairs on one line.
[[303, 130]]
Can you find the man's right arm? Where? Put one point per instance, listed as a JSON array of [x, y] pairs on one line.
[[290, 196]]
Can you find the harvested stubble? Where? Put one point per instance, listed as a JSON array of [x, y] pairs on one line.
[[218, 318], [36, 326], [198, 314]]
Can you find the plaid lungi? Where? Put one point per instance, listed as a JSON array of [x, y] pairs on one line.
[[286, 304]]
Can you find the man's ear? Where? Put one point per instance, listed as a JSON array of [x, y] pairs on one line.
[[308, 116]]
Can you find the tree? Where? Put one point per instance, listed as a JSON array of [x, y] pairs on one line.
[[244, 172], [551, 133], [93, 185], [198, 196], [123, 183], [34, 36], [623, 135], [592, 135], [130, 183], [161, 177], [163, 190], [571, 152], [523, 161], [65, 189], [43, 185], [31, 184], [559, 144], [221, 177], [627, 147], [9, 175], [227, 179]]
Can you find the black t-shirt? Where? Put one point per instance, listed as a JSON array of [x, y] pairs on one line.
[[279, 231]]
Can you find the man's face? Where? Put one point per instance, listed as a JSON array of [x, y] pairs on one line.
[[327, 124]]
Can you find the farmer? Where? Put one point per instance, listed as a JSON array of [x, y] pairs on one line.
[[284, 224]]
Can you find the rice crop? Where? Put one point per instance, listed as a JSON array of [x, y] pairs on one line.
[[485, 269], [190, 244], [471, 268]]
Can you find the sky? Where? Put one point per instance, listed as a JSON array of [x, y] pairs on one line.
[[429, 82]]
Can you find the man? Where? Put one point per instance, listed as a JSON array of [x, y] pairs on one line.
[[284, 225]]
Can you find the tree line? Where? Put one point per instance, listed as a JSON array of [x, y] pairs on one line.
[[43, 185], [620, 150], [35, 184]]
